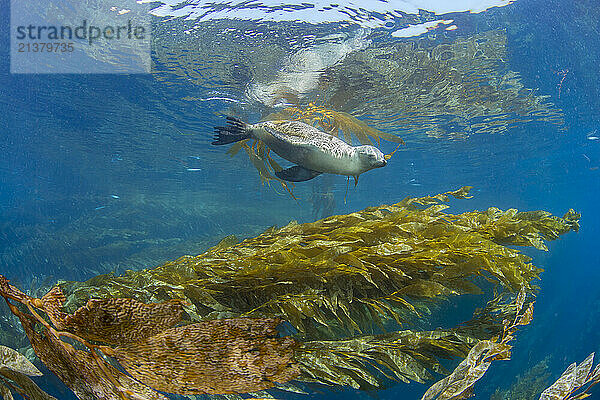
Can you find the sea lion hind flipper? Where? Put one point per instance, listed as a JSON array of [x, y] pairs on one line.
[[297, 174], [235, 131]]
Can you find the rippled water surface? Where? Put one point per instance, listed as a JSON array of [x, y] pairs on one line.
[[108, 172]]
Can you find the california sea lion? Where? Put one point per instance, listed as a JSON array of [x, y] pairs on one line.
[[313, 151]]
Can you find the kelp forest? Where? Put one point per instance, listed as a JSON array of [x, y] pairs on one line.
[[354, 300]]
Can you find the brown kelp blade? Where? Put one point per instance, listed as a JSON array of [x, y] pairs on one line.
[[117, 321], [369, 361], [15, 361], [17, 369], [339, 282], [215, 357], [112, 321], [84, 373]]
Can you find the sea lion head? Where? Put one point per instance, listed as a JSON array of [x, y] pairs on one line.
[[370, 157]]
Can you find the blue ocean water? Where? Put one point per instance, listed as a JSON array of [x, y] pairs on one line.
[[107, 172]]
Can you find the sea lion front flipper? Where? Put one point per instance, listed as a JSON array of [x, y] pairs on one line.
[[296, 174]]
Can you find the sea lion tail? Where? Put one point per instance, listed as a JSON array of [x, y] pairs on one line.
[[235, 131]]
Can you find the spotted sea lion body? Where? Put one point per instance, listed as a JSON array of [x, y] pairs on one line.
[[312, 150]]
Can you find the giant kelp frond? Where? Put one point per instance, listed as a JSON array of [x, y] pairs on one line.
[[367, 361], [530, 228], [83, 372], [459, 384], [265, 165], [575, 382], [336, 123], [347, 274], [220, 356]]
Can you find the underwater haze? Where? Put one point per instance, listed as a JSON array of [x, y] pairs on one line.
[[109, 172]]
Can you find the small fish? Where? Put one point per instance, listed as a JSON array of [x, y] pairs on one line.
[[114, 196], [193, 169], [592, 135], [99, 208]]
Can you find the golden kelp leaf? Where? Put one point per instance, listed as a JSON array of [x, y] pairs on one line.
[[347, 123], [5, 392], [573, 218], [236, 147], [427, 289], [529, 228], [583, 370], [78, 369], [219, 356], [575, 382], [261, 160], [15, 361], [562, 387], [29, 387], [462, 193], [117, 321]]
